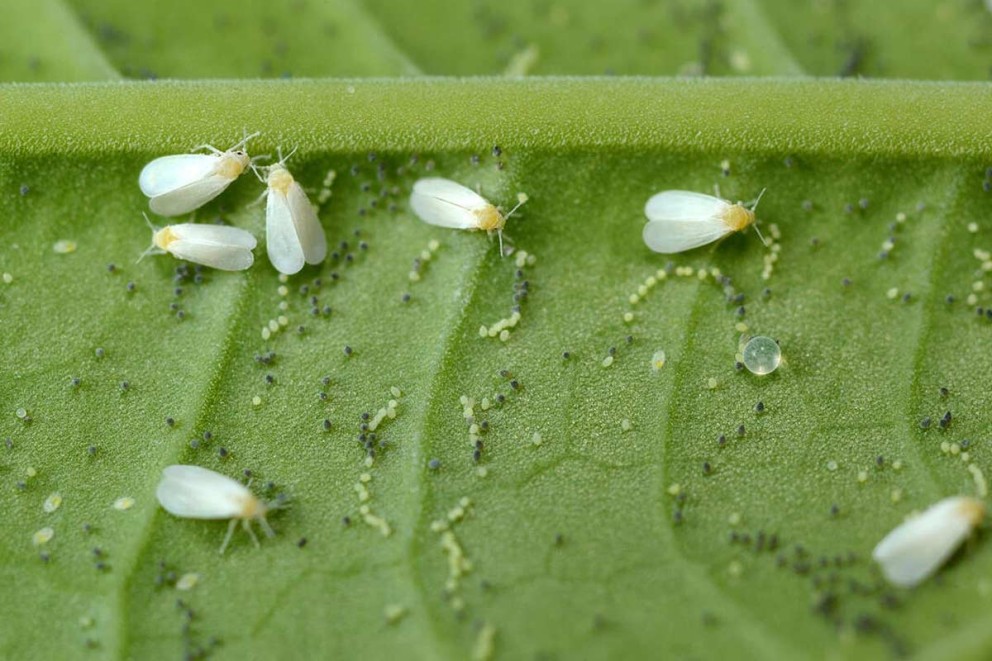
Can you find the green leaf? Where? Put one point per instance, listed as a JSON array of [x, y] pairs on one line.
[[628, 531], [574, 545]]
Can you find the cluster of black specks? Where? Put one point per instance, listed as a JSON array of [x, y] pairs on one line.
[[521, 288], [99, 559], [182, 275], [945, 420], [375, 181], [758, 542], [193, 648], [844, 591], [267, 358], [196, 443], [678, 510]]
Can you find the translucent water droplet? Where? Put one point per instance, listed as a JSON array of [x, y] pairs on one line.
[[762, 355]]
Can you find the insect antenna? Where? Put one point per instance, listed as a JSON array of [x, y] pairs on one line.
[[151, 249], [753, 207]]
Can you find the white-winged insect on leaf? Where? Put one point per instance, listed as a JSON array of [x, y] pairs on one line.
[[916, 548], [192, 492], [446, 203], [181, 183], [681, 220], [293, 233], [217, 246]]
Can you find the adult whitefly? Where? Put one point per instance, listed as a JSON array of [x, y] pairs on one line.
[[181, 183], [916, 548], [217, 246], [193, 492], [681, 220]]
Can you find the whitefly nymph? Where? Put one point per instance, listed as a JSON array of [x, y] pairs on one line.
[[681, 220], [181, 183], [447, 203], [915, 549], [192, 492]]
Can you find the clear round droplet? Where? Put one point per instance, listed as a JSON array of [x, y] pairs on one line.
[[762, 355]]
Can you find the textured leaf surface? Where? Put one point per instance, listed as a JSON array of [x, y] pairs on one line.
[[580, 545]]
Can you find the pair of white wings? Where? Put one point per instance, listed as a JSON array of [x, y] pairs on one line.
[[681, 220], [918, 547], [293, 233], [182, 183], [199, 493], [446, 203], [216, 246]]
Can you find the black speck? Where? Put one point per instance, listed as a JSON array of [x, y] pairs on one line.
[[759, 407], [301, 542], [222, 453], [434, 464], [925, 423]]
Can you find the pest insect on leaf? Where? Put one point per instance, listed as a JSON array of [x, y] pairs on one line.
[[218, 246], [916, 548], [293, 233], [681, 220], [192, 492], [181, 183], [446, 203]]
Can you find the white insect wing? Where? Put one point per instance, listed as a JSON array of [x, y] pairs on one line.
[[169, 173], [199, 493], [446, 203], [917, 548], [683, 220], [190, 197], [281, 240], [308, 227], [224, 248]]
